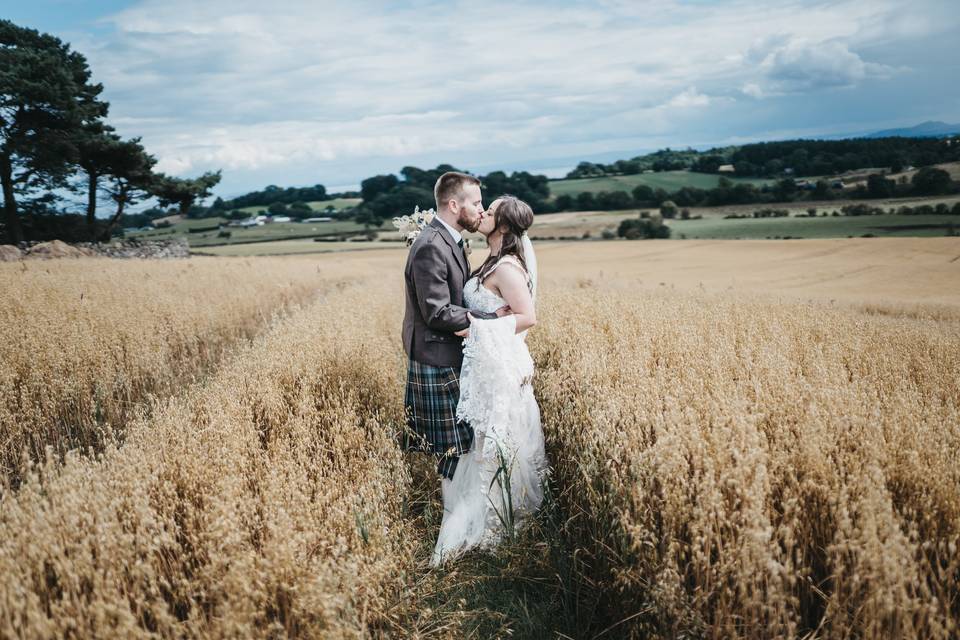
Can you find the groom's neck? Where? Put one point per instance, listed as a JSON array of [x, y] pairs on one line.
[[450, 218]]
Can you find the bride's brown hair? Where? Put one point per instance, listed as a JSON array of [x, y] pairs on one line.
[[512, 217]]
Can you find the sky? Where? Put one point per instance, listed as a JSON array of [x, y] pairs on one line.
[[301, 92]]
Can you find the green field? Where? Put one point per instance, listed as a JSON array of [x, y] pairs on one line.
[[317, 205], [196, 224], [822, 227], [242, 235], [667, 180]]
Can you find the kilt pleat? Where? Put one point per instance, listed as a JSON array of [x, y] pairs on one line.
[[431, 401]]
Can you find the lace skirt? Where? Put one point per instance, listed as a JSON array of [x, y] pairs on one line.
[[498, 484]]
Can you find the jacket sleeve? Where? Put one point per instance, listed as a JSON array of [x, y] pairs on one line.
[[484, 315], [430, 273]]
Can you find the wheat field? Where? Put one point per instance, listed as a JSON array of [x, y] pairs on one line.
[[81, 341], [764, 445]]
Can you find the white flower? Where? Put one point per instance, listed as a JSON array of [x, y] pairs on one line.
[[410, 226]]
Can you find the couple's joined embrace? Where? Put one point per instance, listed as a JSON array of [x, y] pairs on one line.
[[469, 398]]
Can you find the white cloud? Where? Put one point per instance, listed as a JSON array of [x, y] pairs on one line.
[[274, 144], [689, 98], [800, 65], [752, 89], [247, 86]]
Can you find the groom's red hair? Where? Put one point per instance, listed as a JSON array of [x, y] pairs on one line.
[[450, 185]]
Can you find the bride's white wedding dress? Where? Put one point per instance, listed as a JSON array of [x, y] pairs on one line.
[[499, 482]]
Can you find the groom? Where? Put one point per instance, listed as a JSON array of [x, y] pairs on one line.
[[436, 271]]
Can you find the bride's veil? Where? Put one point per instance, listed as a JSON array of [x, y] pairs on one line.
[[530, 258]]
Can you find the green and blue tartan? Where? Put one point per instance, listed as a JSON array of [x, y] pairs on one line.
[[431, 405]]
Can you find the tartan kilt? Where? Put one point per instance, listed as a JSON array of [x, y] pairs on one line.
[[431, 405]]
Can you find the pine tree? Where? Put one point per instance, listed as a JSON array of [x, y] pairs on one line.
[[46, 98]]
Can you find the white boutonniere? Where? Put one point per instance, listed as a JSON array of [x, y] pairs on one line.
[[467, 249], [411, 226]]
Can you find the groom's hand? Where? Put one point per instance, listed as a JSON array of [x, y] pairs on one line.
[[504, 311], [465, 332]]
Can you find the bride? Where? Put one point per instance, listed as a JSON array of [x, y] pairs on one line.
[[498, 482]]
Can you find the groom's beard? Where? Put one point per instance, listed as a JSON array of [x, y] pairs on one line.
[[469, 225]]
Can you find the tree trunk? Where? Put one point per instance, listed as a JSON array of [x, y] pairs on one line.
[[92, 205], [14, 230], [121, 201]]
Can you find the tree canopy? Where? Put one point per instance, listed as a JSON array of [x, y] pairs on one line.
[[46, 97], [183, 192], [272, 193], [53, 130]]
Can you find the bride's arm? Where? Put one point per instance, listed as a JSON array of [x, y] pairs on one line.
[[512, 283]]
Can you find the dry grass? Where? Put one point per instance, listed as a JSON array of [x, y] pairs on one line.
[[83, 341], [266, 502], [733, 467], [869, 271], [727, 464]]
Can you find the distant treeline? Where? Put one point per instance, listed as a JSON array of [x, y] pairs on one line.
[[928, 181], [663, 160], [789, 157], [828, 157], [386, 196], [271, 194]]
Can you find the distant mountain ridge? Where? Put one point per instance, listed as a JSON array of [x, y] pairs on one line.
[[928, 129]]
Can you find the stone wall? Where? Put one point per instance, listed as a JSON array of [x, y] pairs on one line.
[[173, 248]]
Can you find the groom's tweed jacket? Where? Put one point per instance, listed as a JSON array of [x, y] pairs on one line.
[[435, 274]]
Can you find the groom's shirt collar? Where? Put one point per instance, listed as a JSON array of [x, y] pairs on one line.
[[453, 232]]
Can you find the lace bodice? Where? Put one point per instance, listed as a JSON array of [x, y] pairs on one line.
[[477, 297]]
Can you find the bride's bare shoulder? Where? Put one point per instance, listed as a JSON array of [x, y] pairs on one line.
[[514, 263]]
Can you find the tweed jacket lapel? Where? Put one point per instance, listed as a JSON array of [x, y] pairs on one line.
[[454, 247]]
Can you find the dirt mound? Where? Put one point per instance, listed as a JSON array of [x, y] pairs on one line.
[[9, 253], [55, 249]]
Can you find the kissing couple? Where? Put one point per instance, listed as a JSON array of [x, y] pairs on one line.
[[469, 399]]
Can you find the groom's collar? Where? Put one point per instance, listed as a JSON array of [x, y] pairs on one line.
[[456, 235], [448, 236]]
